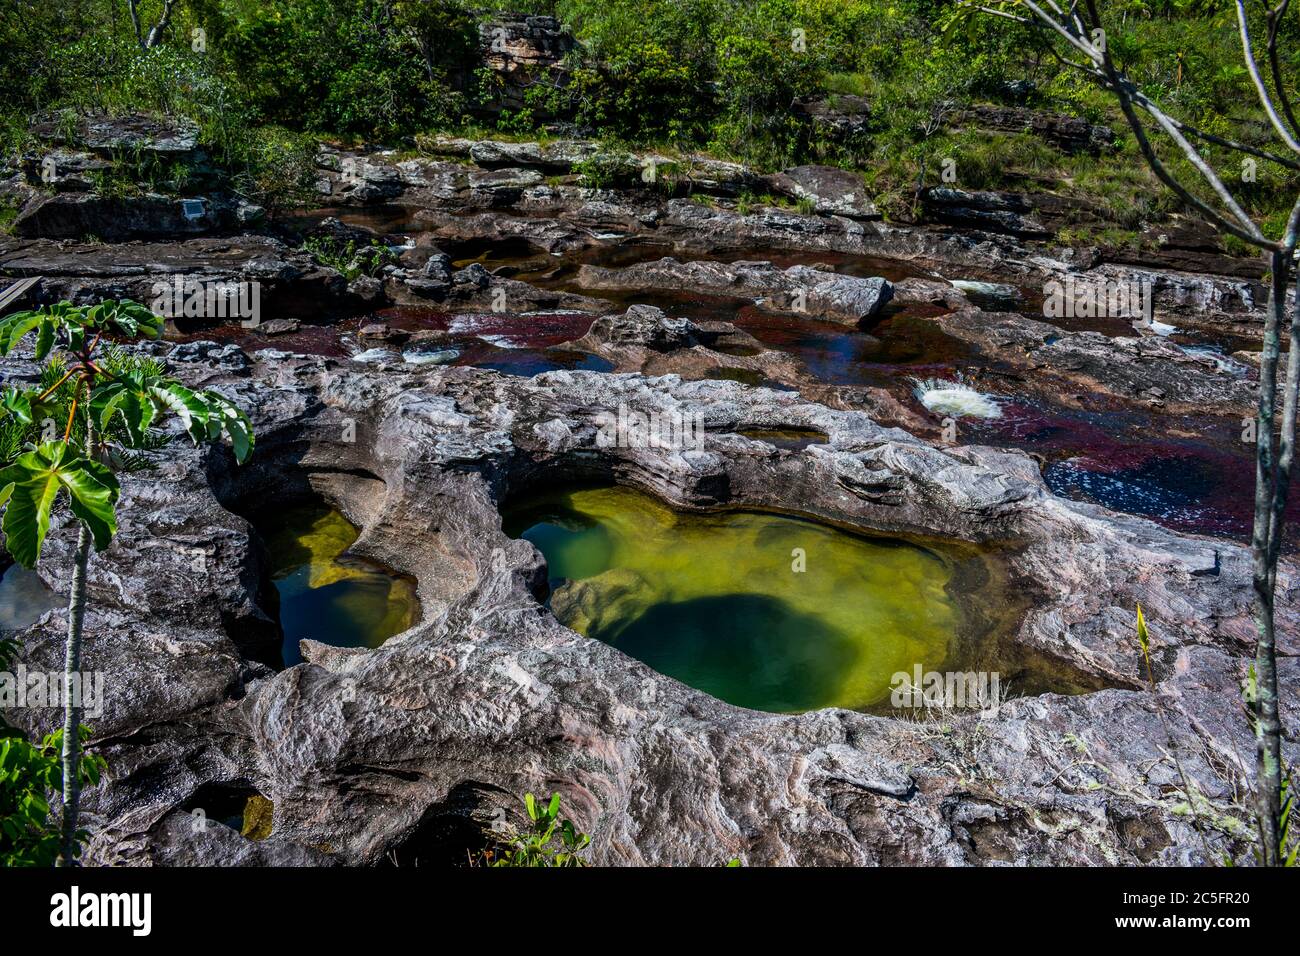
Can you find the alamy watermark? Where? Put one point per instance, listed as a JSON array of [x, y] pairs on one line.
[[27, 688], [1112, 298], [950, 690], [190, 298], [668, 430]]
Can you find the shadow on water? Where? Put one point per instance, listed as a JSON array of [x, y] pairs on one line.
[[738, 648], [325, 594], [773, 612]]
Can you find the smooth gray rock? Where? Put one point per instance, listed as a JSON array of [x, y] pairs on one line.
[[832, 191]]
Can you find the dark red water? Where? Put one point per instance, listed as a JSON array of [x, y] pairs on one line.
[[515, 344], [903, 342], [1193, 474], [505, 329]]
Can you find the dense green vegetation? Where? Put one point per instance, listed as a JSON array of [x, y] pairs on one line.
[[720, 75], [30, 834]]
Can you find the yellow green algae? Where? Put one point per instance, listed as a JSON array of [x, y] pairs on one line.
[[327, 595], [258, 819], [762, 610]]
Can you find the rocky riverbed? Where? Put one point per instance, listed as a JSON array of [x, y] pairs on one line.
[[414, 748], [1084, 464]]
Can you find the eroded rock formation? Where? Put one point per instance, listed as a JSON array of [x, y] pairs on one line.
[[414, 751]]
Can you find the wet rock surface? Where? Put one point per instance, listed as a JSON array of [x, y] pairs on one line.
[[1147, 369], [289, 281], [800, 289], [365, 754], [379, 755]]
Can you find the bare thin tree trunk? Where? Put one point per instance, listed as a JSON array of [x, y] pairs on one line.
[[135, 21], [1267, 486], [160, 28], [72, 666], [71, 707]]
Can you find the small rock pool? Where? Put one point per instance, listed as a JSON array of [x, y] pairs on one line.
[[762, 610], [326, 594]]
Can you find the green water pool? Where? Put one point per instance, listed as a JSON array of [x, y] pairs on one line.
[[326, 595], [764, 611]]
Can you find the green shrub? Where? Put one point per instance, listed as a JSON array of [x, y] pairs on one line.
[[30, 775], [349, 259], [550, 841]]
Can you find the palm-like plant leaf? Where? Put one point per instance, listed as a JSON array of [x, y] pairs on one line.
[[183, 403], [226, 418], [18, 403], [127, 398], [32, 483], [126, 317]]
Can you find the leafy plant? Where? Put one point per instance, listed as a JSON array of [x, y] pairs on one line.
[[349, 259], [537, 846], [111, 402], [29, 832]]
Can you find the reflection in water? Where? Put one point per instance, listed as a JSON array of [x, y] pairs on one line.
[[326, 595], [903, 341], [717, 601], [529, 362]]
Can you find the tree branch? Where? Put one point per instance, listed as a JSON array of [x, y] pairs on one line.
[[1274, 19], [1265, 99], [135, 22]]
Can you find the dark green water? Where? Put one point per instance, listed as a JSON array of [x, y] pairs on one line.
[[326, 595], [719, 601]]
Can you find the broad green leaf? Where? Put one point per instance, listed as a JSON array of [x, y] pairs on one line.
[[76, 335], [226, 418], [15, 327], [142, 321], [188, 407], [44, 338], [32, 490], [34, 481], [18, 404], [93, 492], [129, 401]]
